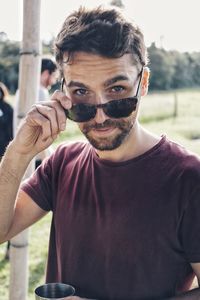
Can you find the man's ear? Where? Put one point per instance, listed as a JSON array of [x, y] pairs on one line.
[[145, 81]]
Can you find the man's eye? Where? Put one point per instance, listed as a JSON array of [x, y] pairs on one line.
[[80, 92], [117, 88]]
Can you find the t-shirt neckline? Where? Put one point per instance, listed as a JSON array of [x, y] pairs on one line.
[[132, 160]]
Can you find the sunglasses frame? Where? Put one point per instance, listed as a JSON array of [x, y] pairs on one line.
[[102, 106]]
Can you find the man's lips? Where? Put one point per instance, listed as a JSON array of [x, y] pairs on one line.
[[103, 131]]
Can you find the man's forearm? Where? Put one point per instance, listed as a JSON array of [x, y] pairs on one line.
[[12, 169], [190, 295]]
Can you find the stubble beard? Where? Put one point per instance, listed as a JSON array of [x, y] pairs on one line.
[[108, 143]]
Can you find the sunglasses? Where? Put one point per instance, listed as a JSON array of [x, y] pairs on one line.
[[121, 108]]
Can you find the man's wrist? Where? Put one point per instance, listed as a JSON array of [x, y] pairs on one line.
[[14, 164], [13, 151]]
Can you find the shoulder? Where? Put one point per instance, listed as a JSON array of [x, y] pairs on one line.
[[72, 147], [180, 153], [70, 151], [183, 160], [66, 155]]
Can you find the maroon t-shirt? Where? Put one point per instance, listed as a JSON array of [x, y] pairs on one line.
[[121, 230]]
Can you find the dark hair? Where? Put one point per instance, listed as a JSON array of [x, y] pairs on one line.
[[100, 31], [48, 64]]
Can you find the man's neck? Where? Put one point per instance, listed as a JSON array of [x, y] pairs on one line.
[[138, 142]]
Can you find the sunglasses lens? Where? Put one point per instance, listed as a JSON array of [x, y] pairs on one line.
[[121, 108], [81, 112]]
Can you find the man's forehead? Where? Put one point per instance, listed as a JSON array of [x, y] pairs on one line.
[[90, 58], [82, 64]]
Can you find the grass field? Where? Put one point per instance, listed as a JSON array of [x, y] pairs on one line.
[[157, 115]]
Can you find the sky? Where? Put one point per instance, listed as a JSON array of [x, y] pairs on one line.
[[172, 24]]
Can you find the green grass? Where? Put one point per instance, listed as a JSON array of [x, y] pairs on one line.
[[157, 115], [185, 127]]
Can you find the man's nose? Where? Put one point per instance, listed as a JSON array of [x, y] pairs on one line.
[[100, 116]]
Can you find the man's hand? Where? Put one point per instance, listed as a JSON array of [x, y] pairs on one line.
[[41, 125]]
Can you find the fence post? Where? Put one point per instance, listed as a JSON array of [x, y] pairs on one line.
[[175, 112]]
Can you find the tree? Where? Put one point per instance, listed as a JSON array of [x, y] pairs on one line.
[[9, 63], [183, 67], [161, 67], [117, 3], [3, 36]]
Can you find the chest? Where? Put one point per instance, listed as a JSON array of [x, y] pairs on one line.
[[118, 226], [120, 209]]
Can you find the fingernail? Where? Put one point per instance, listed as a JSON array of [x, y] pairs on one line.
[[62, 126], [55, 136], [68, 104]]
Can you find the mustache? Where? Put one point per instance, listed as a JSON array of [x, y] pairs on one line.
[[106, 124]]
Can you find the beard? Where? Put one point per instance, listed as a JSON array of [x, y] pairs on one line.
[[112, 142]]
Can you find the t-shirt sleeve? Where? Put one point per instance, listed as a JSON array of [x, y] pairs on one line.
[[39, 185], [190, 227], [43, 185]]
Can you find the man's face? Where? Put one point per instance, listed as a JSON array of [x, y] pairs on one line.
[[96, 80]]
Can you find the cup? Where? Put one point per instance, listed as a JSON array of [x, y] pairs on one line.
[[55, 291]]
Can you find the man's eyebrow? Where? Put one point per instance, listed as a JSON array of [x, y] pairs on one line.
[[115, 79], [107, 83], [73, 83]]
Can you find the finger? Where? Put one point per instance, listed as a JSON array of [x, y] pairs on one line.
[[51, 118], [62, 98], [60, 114], [36, 120]]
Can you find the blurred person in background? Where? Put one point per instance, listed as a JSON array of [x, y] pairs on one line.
[[6, 119], [48, 78]]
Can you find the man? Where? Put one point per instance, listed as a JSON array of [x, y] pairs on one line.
[[125, 205], [47, 79]]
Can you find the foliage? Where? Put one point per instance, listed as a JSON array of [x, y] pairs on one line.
[[169, 69], [9, 63], [9, 60], [117, 3], [172, 69], [162, 68]]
